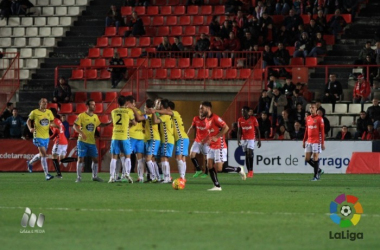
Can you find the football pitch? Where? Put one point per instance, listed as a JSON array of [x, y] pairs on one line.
[[270, 211]]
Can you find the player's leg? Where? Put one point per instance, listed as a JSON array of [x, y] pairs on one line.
[[93, 153], [212, 171], [44, 143], [56, 152], [115, 151], [30, 163], [308, 153], [249, 157], [229, 169], [178, 155], [166, 153], [139, 151], [127, 151], [81, 152], [205, 166], [195, 149], [317, 151]]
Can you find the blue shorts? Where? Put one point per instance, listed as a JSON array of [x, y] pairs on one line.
[[86, 149], [137, 146], [182, 147], [121, 146], [151, 147], [39, 142], [166, 149]]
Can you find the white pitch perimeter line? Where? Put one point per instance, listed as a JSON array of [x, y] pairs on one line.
[[172, 211]]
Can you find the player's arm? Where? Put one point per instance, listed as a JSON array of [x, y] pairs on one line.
[[79, 131], [163, 112], [138, 117], [55, 133], [322, 131], [222, 132], [156, 120], [189, 130], [29, 124], [257, 132], [239, 135], [105, 124]]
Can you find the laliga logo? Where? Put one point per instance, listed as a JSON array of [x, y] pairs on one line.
[[32, 219]]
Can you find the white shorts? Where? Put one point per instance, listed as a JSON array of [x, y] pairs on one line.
[[59, 149], [247, 144], [218, 155], [200, 148], [313, 148]]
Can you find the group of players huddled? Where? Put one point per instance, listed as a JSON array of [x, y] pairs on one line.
[[152, 136]]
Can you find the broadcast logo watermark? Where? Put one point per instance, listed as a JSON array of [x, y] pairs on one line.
[[346, 211], [30, 220]]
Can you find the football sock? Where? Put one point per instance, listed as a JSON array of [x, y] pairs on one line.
[[119, 165], [196, 164], [249, 162], [316, 168], [79, 169], [311, 163], [56, 166], [113, 167], [35, 158], [180, 168], [44, 165], [157, 171], [184, 170], [122, 160], [128, 166], [151, 169], [206, 168], [214, 177], [94, 168], [140, 168], [231, 169]]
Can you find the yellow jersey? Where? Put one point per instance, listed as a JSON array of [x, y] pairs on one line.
[[151, 130], [179, 129], [166, 129], [88, 125], [137, 131], [121, 118], [42, 120]]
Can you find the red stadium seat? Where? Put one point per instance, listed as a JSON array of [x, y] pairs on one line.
[[198, 20], [71, 119], [152, 10], [80, 108], [107, 132], [190, 31], [104, 118], [203, 29], [146, 74], [203, 74], [225, 63], [245, 73], [158, 21], [170, 63], [221, 19], [76, 74], [189, 74], [66, 108], [85, 62], [330, 39], [98, 108], [104, 74], [110, 96], [166, 10], [142, 62], [187, 41], [123, 52], [128, 62], [52, 105], [146, 20], [198, 63], [111, 107], [94, 52], [140, 10], [163, 31], [108, 52], [184, 63], [144, 41], [291, 50], [219, 10], [311, 61], [116, 42], [179, 10], [278, 19], [91, 74], [296, 61], [96, 96], [231, 74], [176, 31], [184, 20], [175, 74], [173, 2], [126, 11], [102, 42], [192, 10], [80, 97], [217, 74], [347, 17], [110, 31], [155, 63], [130, 42], [306, 19], [122, 30], [126, 93], [161, 74], [171, 20], [160, 2], [206, 10], [100, 62], [211, 62]]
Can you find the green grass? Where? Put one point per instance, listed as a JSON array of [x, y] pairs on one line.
[[270, 211]]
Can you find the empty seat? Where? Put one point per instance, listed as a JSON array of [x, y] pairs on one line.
[[6, 42], [66, 108], [176, 31], [203, 74], [34, 41], [24, 74], [76, 74], [71, 119], [162, 31], [116, 42], [61, 11], [327, 107], [198, 20], [31, 63], [347, 120], [184, 63], [211, 62], [354, 108], [17, 31], [110, 107], [155, 63], [100, 62], [206, 10], [188, 41], [73, 11], [19, 42], [146, 20], [52, 105], [130, 42], [40, 52], [86, 62], [107, 132], [166, 10], [5, 32], [48, 11], [80, 108], [152, 10], [110, 96], [141, 62], [161, 74], [45, 31], [108, 52], [27, 21], [189, 74], [14, 21], [57, 31], [340, 108], [157, 40], [190, 31], [245, 73], [66, 21], [53, 21], [179, 10], [128, 62], [198, 63], [333, 119], [184, 20], [171, 20], [55, 2], [91, 74], [135, 52], [192, 10], [80, 97], [296, 61], [144, 41], [110, 31], [158, 21], [140, 10], [94, 52], [104, 118], [311, 61], [98, 108], [126, 11], [231, 74], [219, 10], [104, 74], [102, 42], [123, 52], [175, 74], [225, 63], [217, 74]]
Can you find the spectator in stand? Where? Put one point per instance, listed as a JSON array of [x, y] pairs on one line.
[[344, 134], [283, 7], [7, 112], [372, 70], [282, 134], [203, 44], [298, 133], [299, 114], [319, 46], [241, 20], [370, 134], [373, 112], [266, 25], [232, 44], [312, 29], [134, 3], [248, 41], [194, 2], [14, 123], [232, 6], [292, 21], [114, 18], [301, 88], [361, 124], [288, 87], [214, 26], [164, 46], [350, 7], [277, 105], [297, 7], [325, 121], [237, 31], [6, 10], [254, 27], [259, 10], [21, 7], [303, 46], [364, 52], [232, 134], [217, 45], [333, 90], [299, 31], [319, 106], [273, 83], [362, 91], [268, 56], [62, 92], [226, 30], [66, 125], [117, 73], [250, 112], [253, 58], [264, 125], [336, 23], [283, 36], [286, 121], [281, 57], [307, 113], [264, 102], [321, 20], [177, 45], [136, 25], [270, 6], [377, 56], [308, 6], [331, 5], [298, 99]]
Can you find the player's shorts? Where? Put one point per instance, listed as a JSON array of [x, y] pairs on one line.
[[313, 148], [59, 149], [121, 146], [247, 144], [137, 146], [152, 147], [218, 155], [166, 149], [198, 148], [182, 147], [39, 142], [86, 149]]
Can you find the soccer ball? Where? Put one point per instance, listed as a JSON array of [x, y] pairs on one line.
[[345, 210], [178, 184]]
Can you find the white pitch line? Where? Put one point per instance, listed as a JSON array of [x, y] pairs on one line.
[[173, 211]]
